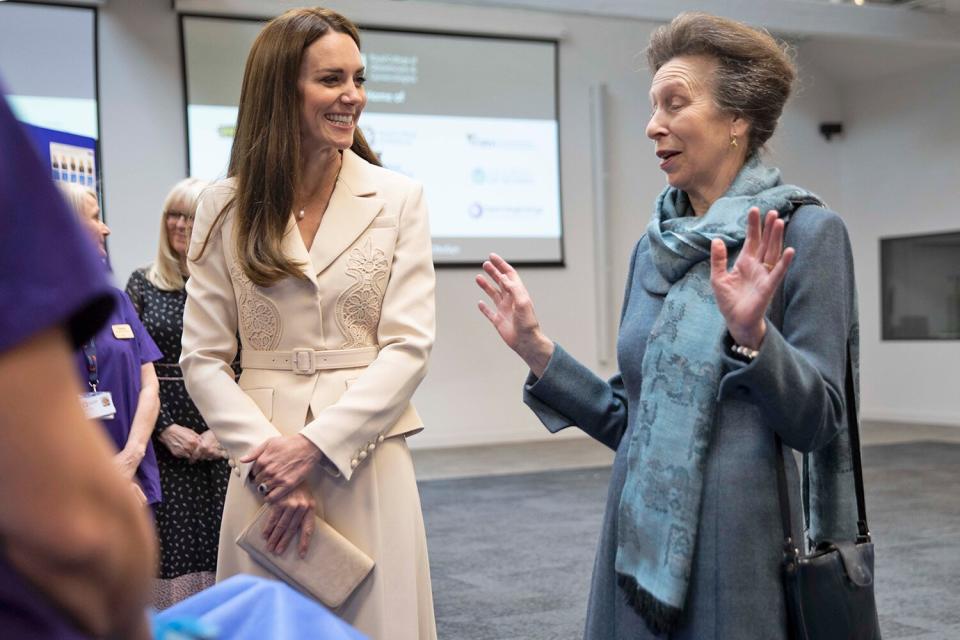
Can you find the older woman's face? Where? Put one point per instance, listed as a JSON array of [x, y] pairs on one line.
[[90, 217], [692, 135], [179, 227]]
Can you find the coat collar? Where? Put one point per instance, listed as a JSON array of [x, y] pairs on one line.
[[352, 207]]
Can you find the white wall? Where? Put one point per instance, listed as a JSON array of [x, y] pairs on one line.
[[900, 165], [472, 394], [142, 125]]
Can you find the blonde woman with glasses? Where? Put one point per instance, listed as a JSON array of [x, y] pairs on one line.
[[193, 468]]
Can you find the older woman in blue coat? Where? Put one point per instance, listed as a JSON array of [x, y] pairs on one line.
[[725, 341]]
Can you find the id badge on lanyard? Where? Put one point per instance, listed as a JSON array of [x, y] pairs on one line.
[[96, 404]]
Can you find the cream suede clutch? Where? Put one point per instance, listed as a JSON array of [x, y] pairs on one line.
[[333, 569]]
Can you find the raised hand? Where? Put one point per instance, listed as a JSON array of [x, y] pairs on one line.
[[744, 293], [512, 314]]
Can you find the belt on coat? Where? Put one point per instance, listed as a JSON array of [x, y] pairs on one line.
[[307, 361]]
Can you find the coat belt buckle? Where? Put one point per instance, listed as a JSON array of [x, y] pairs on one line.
[[302, 362]]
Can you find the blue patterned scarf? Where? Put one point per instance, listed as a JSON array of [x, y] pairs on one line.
[[660, 504]]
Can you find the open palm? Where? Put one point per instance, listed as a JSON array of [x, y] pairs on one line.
[[512, 314], [744, 292]]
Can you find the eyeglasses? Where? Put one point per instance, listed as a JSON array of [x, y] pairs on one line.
[[175, 216]]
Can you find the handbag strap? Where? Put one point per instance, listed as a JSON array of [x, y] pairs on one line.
[[853, 421], [853, 429]]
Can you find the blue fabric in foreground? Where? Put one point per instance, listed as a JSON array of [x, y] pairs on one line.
[[250, 608]]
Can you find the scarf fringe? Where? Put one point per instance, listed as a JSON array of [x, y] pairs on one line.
[[660, 617]]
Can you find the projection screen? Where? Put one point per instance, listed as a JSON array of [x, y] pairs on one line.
[[474, 118]]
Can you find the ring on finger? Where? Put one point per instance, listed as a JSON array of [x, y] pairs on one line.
[[768, 266], [263, 489]]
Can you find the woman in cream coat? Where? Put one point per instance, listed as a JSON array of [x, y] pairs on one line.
[[321, 262]]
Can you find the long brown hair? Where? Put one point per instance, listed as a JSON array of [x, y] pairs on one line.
[[265, 159]]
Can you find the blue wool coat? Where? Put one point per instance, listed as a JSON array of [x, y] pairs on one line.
[[795, 387]]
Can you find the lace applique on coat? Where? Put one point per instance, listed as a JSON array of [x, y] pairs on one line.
[[260, 322], [358, 308]]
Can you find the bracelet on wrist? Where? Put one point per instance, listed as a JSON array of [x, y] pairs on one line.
[[745, 352]]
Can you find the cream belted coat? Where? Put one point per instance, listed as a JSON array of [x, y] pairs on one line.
[[367, 305]]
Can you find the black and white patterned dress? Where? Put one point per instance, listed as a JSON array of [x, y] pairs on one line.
[[188, 519]]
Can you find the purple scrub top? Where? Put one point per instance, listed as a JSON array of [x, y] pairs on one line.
[[50, 276], [118, 367]]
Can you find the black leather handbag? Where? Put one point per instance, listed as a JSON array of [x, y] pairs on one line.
[[829, 590]]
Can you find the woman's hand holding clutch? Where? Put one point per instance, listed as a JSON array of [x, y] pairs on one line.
[[291, 514], [513, 316], [744, 293], [280, 464]]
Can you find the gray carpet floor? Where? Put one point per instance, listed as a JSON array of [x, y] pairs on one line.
[[511, 556]]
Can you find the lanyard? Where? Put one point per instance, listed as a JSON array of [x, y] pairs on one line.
[[90, 354]]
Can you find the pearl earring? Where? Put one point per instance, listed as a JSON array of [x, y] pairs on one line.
[[301, 214]]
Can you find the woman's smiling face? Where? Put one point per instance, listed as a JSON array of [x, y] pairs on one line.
[[693, 137], [331, 90], [179, 227]]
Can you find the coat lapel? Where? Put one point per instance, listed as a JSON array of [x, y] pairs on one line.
[[351, 209], [293, 247]]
